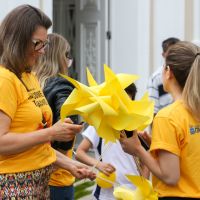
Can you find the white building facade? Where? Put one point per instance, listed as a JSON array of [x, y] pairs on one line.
[[127, 36]]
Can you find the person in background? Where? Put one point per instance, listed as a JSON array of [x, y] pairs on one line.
[[113, 157], [26, 156], [155, 85], [55, 61], [175, 160], [155, 88]]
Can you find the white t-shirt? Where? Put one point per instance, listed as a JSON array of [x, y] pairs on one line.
[[113, 154], [156, 91]]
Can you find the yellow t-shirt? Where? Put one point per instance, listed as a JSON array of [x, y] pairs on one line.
[[175, 130], [62, 177], [27, 108]]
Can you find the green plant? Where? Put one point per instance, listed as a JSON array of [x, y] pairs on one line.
[[82, 188]]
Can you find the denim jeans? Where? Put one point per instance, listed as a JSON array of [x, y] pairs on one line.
[[62, 193]]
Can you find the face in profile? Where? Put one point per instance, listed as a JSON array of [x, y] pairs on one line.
[[37, 46], [165, 73], [67, 61]]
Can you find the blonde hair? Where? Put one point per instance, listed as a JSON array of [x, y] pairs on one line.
[[191, 92], [184, 60], [54, 61]]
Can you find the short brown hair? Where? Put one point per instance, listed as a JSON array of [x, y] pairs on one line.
[[168, 42]]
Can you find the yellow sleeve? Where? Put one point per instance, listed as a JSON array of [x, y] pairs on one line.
[[8, 97], [166, 135]]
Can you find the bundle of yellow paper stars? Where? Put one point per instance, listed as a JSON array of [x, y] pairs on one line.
[[107, 106], [144, 190], [109, 109]]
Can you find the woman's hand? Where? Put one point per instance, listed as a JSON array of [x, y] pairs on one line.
[[166, 166], [106, 168], [77, 169], [64, 131], [130, 145], [81, 171]]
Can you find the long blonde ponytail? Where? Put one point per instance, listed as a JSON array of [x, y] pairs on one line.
[[191, 91], [184, 60]]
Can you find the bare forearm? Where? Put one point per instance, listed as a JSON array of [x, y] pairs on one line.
[[76, 168], [67, 163], [83, 157], [151, 163], [166, 166], [63, 161], [165, 171], [12, 143]]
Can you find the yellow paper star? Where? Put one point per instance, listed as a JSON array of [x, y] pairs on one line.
[[105, 181], [144, 190], [107, 106], [123, 193]]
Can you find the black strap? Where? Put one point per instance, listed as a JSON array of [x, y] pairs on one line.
[[99, 147]]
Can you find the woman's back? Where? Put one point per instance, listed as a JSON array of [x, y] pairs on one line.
[[175, 130]]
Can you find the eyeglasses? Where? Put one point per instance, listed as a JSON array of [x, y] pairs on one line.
[[38, 44], [68, 55], [70, 58]]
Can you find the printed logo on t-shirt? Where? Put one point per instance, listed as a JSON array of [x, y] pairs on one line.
[[194, 129], [38, 98]]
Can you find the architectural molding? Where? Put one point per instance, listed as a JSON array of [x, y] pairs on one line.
[[189, 20], [151, 36]]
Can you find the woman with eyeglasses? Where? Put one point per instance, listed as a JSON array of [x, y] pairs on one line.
[[175, 159], [56, 60], [26, 131]]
